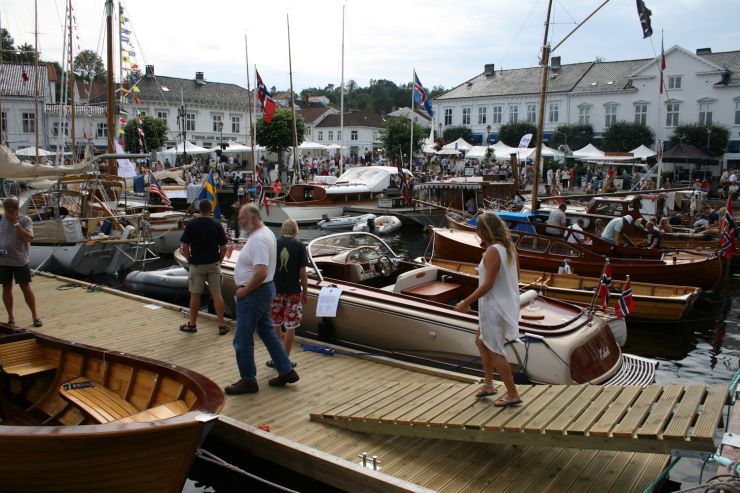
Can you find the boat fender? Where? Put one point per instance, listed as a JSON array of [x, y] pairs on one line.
[[527, 297], [325, 330], [565, 268]]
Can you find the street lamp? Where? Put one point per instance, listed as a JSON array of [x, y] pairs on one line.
[[488, 134], [709, 135], [221, 129]]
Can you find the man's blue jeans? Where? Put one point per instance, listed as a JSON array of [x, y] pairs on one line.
[[254, 313]]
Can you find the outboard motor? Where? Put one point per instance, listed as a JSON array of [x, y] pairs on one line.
[[371, 225]]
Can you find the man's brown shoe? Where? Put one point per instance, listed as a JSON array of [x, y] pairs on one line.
[[242, 387], [285, 378]]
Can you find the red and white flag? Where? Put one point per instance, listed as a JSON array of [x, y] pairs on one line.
[[268, 104], [662, 64], [404, 184], [604, 284], [727, 241], [626, 303]]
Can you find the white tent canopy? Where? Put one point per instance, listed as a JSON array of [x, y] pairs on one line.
[[448, 152], [190, 148], [588, 152], [545, 152], [31, 152], [460, 145], [310, 145], [235, 147], [477, 152], [643, 152]]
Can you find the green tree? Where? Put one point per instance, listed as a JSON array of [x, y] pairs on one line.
[[278, 135], [625, 136], [7, 43], [451, 134], [574, 136], [26, 53], [396, 137], [88, 64], [155, 134], [511, 133], [696, 135]]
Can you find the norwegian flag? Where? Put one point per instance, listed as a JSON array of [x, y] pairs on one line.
[[604, 284], [727, 243], [155, 189], [262, 192], [404, 186], [268, 104], [626, 303], [662, 64]]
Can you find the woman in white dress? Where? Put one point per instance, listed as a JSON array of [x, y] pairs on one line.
[[498, 306]]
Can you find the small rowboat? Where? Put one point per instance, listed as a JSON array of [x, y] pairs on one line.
[[652, 301], [381, 225], [79, 418]]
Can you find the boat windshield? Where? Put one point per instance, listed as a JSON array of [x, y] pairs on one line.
[[343, 243]]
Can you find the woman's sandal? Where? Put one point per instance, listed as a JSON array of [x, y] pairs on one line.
[[11, 324], [485, 393], [188, 328], [223, 330], [37, 322], [507, 403]]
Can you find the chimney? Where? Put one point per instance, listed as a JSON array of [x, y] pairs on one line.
[[199, 78], [703, 51], [555, 62], [150, 70], [489, 69]]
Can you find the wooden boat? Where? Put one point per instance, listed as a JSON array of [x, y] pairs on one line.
[[652, 301], [543, 253], [407, 309], [79, 418]]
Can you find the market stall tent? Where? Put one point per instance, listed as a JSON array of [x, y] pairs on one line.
[[459, 145], [588, 152], [643, 152], [33, 152]]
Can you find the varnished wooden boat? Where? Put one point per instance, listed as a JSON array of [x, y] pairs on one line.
[[652, 301], [80, 419], [543, 253]]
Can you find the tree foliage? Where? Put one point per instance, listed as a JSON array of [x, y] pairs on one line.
[[451, 134], [278, 135], [155, 134], [511, 133], [88, 64], [25, 53], [7, 43], [573, 136], [396, 137], [696, 135], [625, 136]]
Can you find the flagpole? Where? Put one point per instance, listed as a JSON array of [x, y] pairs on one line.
[[341, 106], [598, 287], [36, 74], [658, 133], [292, 102], [411, 143], [250, 127]]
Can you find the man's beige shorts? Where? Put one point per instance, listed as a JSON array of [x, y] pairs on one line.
[[200, 274]]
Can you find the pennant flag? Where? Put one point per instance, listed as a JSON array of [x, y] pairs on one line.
[[122, 120], [727, 243], [644, 13], [268, 104], [155, 189], [137, 100], [124, 91], [209, 192], [421, 96], [626, 303], [133, 65], [606, 281], [136, 89], [404, 186], [662, 64], [25, 76]]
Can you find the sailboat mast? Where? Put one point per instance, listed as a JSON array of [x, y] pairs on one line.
[[544, 61], [71, 80], [249, 107], [111, 106], [36, 72], [411, 119], [292, 103], [341, 106]]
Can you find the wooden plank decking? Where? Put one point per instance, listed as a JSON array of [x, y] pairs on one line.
[[125, 324]]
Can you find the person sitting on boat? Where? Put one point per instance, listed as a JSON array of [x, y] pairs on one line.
[[613, 230], [253, 274], [204, 246], [665, 225], [498, 306], [557, 218], [653, 236], [575, 233], [470, 205], [16, 232]]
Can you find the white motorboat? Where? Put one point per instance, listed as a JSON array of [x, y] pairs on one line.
[[344, 222], [381, 225]]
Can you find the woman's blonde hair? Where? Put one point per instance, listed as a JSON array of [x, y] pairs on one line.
[[289, 228], [491, 229]]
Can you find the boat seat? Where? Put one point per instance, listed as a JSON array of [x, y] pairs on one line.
[[98, 402], [169, 410], [26, 357], [438, 291], [413, 278]]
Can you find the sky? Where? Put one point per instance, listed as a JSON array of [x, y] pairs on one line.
[[447, 42]]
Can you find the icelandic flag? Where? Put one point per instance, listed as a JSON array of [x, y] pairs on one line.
[[421, 96], [727, 242], [626, 303], [209, 192], [606, 281]]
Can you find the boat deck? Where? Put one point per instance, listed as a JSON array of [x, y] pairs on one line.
[[124, 322]]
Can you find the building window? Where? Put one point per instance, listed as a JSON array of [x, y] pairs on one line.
[[331, 134], [513, 113], [553, 114], [321, 135], [641, 114], [3, 123], [236, 124], [29, 123], [610, 111], [584, 115], [308, 130], [497, 114], [339, 135], [218, 123], [190, 122], [55, 130], [448, 116], [102, 132], [466, 116], [482, 115], [706, 111], [162, 115], [671, 114], [375, 136], [674, 82], [737, 114], [531, 113], [353, 135]]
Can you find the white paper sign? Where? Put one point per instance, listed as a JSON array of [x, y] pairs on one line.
[[328, 301]]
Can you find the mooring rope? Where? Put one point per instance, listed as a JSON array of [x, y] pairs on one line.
[[214, 459]]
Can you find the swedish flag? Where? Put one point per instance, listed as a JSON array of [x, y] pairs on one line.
[[209, 192]]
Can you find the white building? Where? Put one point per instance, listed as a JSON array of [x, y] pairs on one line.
[[361, 131], [18, 89], [701, 87], [420, 118]]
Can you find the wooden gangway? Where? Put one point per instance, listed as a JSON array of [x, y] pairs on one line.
[[651, 419]]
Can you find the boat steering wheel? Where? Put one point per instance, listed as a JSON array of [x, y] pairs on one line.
[[384, 266]]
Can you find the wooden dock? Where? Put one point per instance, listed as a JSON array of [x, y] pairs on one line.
[[124, 322]]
